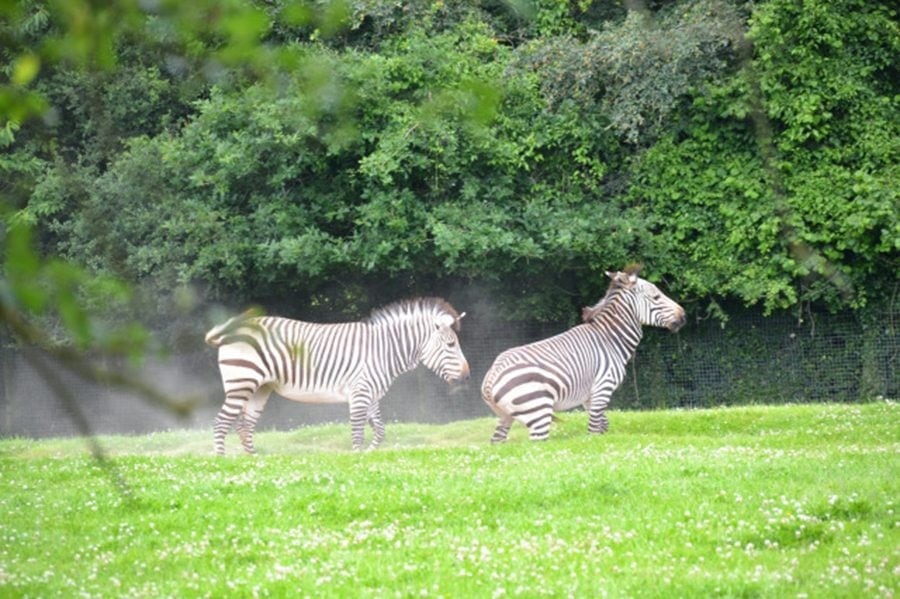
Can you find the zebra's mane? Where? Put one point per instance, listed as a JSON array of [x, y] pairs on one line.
[[589, 312], [411, 308], [615, 288]]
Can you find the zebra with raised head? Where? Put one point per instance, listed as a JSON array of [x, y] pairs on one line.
[[581, 366], [351, 362]]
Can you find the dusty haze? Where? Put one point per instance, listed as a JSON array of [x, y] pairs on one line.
[[28, 407]]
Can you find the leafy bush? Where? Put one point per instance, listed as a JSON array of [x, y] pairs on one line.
[[286, 155]]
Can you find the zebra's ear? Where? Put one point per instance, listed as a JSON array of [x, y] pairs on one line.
[[634, 268], [623, 279], [446, 320]]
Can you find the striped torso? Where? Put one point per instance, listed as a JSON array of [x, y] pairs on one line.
[[350, 362], [309, 362], [568, 365]]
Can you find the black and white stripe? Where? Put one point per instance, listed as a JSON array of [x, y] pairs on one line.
[[352, 362], [581, 366]]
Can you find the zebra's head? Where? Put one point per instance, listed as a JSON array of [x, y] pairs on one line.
[[651, 306], [441, 352], [428, 327]]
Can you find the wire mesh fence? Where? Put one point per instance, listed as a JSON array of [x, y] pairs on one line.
[[774, 359], [751, 359]]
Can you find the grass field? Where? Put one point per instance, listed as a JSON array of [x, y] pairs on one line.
[[787, 501]]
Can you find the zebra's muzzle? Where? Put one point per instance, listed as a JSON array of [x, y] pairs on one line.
[[678, 322], [454, 378]]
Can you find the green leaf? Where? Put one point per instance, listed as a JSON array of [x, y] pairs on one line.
[[25, 69], [22, 268]]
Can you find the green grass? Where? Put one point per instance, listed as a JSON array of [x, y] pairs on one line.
[[740, 502]]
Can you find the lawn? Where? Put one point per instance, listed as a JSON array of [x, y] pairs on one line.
[[759, 501]]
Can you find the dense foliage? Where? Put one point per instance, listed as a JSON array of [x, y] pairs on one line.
[[327, 155]]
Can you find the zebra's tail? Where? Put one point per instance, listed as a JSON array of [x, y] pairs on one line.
[[218, 335]]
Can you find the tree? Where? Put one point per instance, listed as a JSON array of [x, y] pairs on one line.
[[783, 178]]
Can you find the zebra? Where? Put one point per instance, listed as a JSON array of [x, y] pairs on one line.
[[352, 362], [581, 366]]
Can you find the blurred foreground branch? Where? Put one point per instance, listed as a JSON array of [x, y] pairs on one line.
[[45, 357], [82, 423], [34, 339]]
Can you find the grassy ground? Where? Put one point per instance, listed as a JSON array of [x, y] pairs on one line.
[[743, 502]]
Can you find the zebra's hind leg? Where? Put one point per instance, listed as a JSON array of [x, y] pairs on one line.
[[245, 432], [536, 414], [504, 418], [250, 416], [502, 431], [377, 425], [538, 423], [598, 424], [231, 409]]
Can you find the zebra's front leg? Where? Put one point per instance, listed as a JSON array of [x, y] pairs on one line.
[[377, 425], [598, 423], [359, 414]]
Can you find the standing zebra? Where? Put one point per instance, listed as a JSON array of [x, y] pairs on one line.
[[581, 366], [352, 362]]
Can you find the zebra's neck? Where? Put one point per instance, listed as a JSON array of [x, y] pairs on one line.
[[618, 322], [404, 343]]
